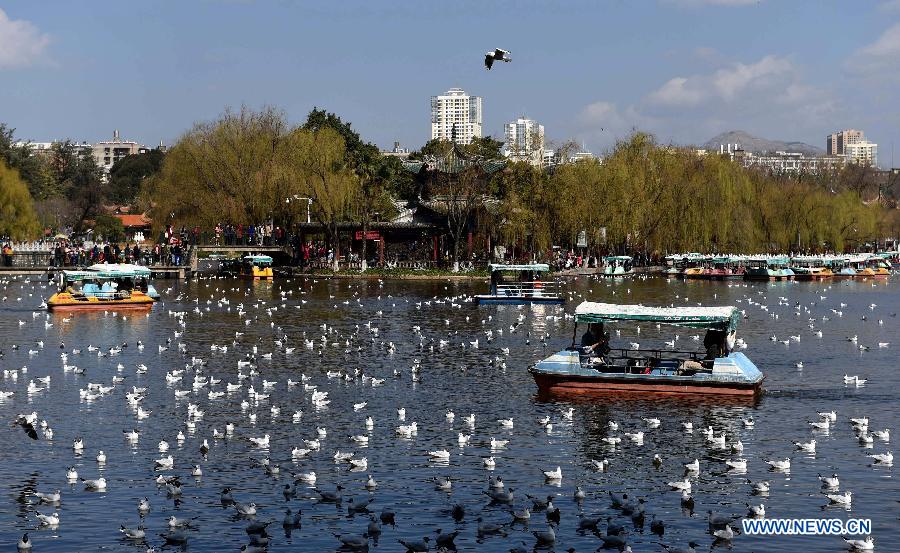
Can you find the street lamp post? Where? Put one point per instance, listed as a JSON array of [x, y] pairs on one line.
[[309, 202]]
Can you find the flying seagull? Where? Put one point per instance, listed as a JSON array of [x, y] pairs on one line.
[[497, 55]]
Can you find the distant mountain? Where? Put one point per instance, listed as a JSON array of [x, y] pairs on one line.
[[758, 145]]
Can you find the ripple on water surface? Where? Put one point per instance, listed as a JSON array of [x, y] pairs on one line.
[[430, 330]]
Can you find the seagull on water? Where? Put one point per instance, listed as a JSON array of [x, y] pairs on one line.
[[133, 533], [54, 497], [779, 464], [840, 499], [48, 520], [553, 474], [883, 458], [867, 544]]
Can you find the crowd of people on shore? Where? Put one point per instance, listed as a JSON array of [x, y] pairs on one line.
[[70, 253], [173, 247], [265, 234]]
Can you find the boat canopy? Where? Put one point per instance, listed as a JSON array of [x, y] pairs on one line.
[[770, 260], [258, 258], [618, 258], [108, 271], [75, 276], [125, 270], [539, 267], [719, 318]]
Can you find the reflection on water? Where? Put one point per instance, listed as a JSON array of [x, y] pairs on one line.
[[413, 345]]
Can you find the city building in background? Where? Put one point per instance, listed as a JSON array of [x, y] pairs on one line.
[[456, 116], [582, 155], [862, 153], [789, 162], [836, 142], [396, 151], [44, 148], [551, 157], [108, 152], [852, 144], [781, 161], [524, 141]]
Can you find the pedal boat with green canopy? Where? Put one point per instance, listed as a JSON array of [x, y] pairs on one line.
[[104, 286], [521, 284], [618, 266], [717, 371]]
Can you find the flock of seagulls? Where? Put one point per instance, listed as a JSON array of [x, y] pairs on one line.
[[289, 422]]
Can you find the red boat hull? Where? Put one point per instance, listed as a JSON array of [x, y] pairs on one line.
[[574, 385]]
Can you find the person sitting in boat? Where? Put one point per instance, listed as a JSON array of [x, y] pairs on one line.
[[90, 289], [716, 344], [595, 341]]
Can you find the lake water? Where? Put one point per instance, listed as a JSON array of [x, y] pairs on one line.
[[415, 317]]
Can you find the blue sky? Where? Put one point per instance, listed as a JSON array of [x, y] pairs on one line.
[[592, 71]]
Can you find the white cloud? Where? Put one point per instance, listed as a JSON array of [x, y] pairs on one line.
[[679, 91], [887, 45], [878, 63], [768, 97], [768, 74], [21, 43], [599, 113]]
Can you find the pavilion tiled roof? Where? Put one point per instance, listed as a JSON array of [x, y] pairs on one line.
[[133, 221]]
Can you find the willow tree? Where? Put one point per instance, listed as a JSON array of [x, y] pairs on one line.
[[582, 199], [18, 220], [316, 163], [662, 198], [230, 169], [525, 207]]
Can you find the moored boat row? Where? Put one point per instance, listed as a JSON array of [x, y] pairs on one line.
[[775, 268]]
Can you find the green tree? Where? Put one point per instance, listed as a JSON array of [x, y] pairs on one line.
[[21, 157], [359, 153], [17, 217], [127, 174], [433, 148], [84, 188], [109, 228], [526, 205], [378, 175], [317, 162], [231, 169], [485, 147]]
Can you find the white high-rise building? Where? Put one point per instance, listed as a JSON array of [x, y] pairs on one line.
[[524, 141], [862, 153], [455, 116]]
